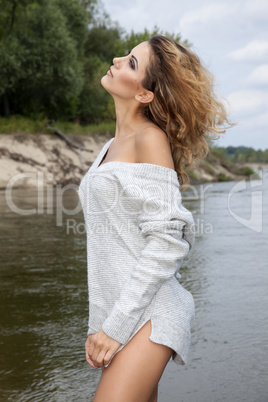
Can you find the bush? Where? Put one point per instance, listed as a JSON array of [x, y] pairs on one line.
[[223, 177], [247, 171]]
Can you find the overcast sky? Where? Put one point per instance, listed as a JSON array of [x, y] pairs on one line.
[[231, 38]]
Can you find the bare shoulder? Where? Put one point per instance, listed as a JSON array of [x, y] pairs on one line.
[[152, 146]]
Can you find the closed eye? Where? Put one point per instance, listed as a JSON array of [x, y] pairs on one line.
[[132, 64]]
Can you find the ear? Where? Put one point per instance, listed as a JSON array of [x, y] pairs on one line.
[[145, 96]]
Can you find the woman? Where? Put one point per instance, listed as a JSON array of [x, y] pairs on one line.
[[139, 314]]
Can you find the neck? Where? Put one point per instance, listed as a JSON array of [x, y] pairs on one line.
[[128, 118]]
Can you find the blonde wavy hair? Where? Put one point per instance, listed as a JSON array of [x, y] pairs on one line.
[[185, 106]]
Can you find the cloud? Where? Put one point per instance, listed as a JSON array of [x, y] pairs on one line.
[[259, 76], [256, 50], [256, 122], [246, 134], [208, 14], [257, 10], [247, 102]]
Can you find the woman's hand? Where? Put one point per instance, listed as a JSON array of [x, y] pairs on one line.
[[100, 348]]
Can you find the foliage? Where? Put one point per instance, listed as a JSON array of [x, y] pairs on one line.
[[241, 154], [133, 39], [104, 42], [246, 170], [17, 124], [53, 54], [40, 56], [22, 125], [223, 177]]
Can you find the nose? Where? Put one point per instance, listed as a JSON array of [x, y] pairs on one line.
[[116, 62]]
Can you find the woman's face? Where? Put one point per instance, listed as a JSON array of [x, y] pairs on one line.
[[124, 78]]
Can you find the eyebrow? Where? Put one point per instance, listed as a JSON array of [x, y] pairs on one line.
[[135, 60]]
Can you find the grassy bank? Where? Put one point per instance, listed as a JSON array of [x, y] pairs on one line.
[[24, 125]]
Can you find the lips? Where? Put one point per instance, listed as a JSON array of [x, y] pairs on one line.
[[110, 73]]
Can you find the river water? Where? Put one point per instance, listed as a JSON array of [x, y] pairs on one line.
[[43, 297]]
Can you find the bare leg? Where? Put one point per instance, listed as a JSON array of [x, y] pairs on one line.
[[135, 371]]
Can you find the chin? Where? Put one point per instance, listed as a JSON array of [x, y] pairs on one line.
[[103, 81], [104, 84]]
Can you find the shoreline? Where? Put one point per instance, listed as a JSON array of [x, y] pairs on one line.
[[46, 155], [24, 157]]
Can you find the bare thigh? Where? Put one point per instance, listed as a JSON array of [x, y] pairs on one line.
[[134, 372]]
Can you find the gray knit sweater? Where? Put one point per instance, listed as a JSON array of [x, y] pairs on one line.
[[138, 233]]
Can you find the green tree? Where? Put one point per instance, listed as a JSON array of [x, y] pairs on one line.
[[265, 156], [93, 98], [41, 53], [129, 41], [104, 41], [53, 54], [240, 158], [102, 44]]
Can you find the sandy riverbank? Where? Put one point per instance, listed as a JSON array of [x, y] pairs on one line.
[[47, 154], [24, 157]]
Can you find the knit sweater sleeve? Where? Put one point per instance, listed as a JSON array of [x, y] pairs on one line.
[[168, 230]]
